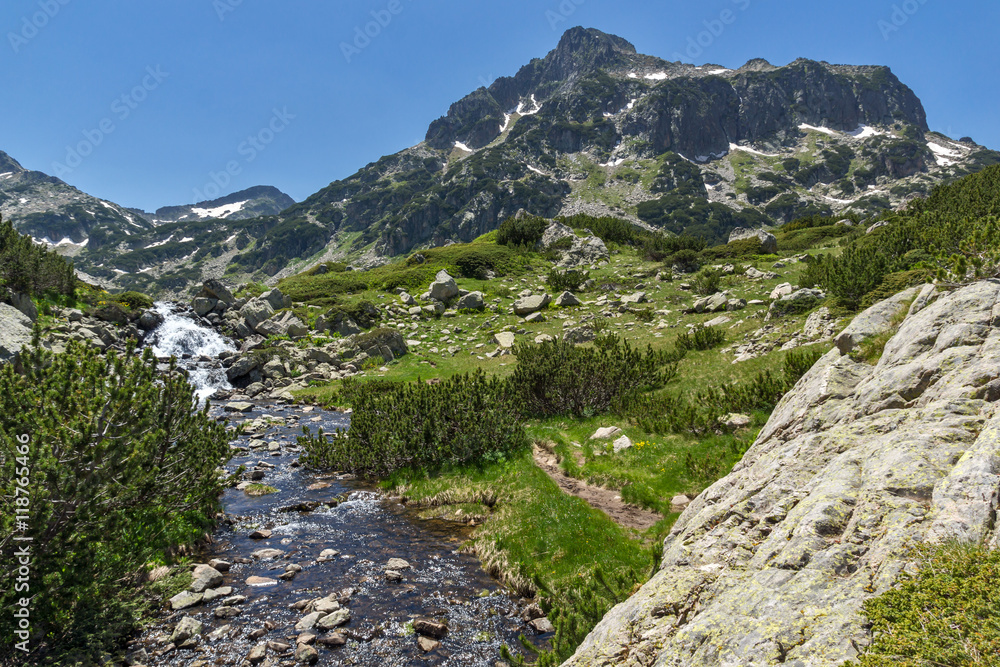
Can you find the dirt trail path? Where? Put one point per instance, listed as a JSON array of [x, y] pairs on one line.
[[609, 502]]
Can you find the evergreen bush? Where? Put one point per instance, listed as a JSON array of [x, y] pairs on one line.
[[119, 467], [560, 378], [464, 419]]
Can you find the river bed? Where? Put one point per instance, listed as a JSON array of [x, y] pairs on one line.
[[366, 530]]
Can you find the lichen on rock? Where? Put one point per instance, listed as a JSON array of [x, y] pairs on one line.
[[856, 465]]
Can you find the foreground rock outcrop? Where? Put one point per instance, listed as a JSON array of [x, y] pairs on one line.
[[857, 464]]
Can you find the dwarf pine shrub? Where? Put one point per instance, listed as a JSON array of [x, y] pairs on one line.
[[464, 419], [700, 338], [116, 466], [568, 280], [560, 378]]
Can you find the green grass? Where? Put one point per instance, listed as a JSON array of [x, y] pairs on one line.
[[534, 529]]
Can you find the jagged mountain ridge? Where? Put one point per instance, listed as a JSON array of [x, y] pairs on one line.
[[594, 111], [592, 127]]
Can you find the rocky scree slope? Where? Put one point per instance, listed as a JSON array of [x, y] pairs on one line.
[[856, 465]]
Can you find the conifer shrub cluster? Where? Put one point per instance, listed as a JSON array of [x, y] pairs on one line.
[[945, 614], [567, 280], [521, 232], [116, 466], [700, 338], [560, 378], [703, 411], [953, 235], [30, 268], [464, 419]]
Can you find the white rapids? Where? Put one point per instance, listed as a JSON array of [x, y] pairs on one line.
[[181, 336]]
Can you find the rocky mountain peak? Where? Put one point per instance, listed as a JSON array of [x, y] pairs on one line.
[[9, 165], [596, 46]]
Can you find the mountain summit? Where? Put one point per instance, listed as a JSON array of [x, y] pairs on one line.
[[593, 127]]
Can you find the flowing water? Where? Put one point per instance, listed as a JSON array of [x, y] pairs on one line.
[[197, 347], [311, 512]]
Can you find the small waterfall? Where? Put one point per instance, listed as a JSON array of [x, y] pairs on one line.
[[181, 336]]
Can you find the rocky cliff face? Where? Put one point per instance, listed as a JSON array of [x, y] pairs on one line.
[[857, 465], [590, 127]]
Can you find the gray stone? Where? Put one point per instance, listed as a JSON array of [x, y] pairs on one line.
[[578, 335], [567, 300], [606, 433], [542, 625], [856, 464], [241, 368], [769, 244], [214, 289], [554, 233], [875, 320], [203, 306], [255, 312], [206, 576], [429, 628], [621, 444], [306, 654], [426, 644], [185, 599], [584, 252], [638, 297], [407, 300], [504, 339], [149, 320], [781, 290], [15, 332], [238, 406], [534, 317], [444, 287], [531, 304], [25, 304], [185, 629], [471, 301], [679, 503], [276, 299], [334, 619]]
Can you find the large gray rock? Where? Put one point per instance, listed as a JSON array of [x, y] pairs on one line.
[[25, 304], [214, 289], [203, 306], [584, 252], [241, 368], [567, 300], [149, 320], [471, 301], [256, 311], [857, 464], [531, 304], [15, 332], [276, 299], [768, 242], [185, 629], [877, 319], [556, 231], [444, 287]]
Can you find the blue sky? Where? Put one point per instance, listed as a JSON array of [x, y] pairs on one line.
[[164, 96]]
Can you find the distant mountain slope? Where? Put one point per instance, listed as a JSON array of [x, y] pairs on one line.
[[52, 211], [251, 203]]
